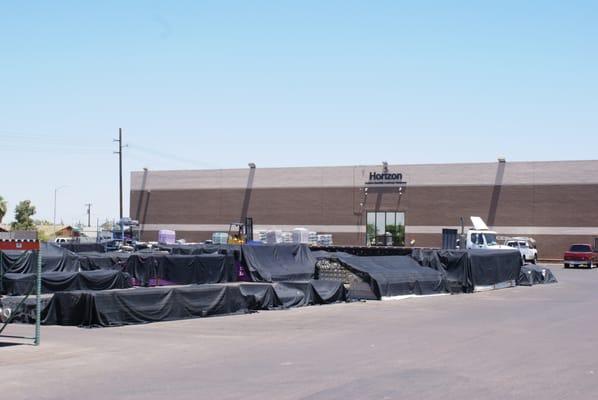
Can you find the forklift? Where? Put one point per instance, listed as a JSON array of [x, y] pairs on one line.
[[241, 232]]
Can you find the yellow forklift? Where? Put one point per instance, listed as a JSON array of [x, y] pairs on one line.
[[240, 232]]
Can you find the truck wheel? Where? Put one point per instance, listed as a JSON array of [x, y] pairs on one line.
[[566, 265], [535, 260]]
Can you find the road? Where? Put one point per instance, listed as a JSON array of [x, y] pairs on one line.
[[520, 343]]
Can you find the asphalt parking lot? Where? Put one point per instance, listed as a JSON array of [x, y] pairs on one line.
[[520, 343]]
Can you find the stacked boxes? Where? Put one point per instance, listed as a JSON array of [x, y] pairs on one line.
[[287, 237], [297, 236], [313, 238], [325, 240], [261, 236], [220, 238], [300, 235], [274, 237]]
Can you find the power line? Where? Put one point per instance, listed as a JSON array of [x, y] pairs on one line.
[[172, 157], [51, 147], [31, 144], [39, 143], [49, 139]]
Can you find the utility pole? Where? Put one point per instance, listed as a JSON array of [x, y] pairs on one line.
[[120, 168], [54, 220], [88, 205]]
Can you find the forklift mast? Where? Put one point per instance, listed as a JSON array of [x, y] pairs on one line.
[[248, 229]]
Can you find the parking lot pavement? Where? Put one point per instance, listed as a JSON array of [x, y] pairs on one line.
[[521, 343]]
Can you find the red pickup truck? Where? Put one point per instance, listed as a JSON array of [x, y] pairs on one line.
[[581, 254]]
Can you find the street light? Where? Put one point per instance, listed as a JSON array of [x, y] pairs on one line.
[[55, 195]]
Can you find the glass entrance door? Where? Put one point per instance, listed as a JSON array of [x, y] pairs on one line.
[[385, 229]]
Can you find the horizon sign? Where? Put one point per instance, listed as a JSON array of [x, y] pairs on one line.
[[385, 178]]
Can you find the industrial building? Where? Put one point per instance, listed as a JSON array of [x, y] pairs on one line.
[[556, 203]]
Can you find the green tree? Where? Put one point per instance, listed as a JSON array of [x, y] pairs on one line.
[[23, 213], [398, 234], [3, 208], [42, 236], [371, 234]]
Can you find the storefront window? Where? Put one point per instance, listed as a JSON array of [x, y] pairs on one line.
[[385, 229], [380, 223]]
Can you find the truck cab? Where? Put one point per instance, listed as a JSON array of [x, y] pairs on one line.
[[481, 237]]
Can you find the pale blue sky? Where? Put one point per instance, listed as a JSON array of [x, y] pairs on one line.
[[211, 84]]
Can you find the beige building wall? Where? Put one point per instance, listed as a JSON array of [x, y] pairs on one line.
[[555, 202]]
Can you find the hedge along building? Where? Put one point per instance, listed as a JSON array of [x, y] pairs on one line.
[[554, 202]]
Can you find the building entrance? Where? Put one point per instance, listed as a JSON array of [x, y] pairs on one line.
[[385, 228]]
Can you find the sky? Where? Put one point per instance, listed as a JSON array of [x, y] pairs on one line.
[[218, 84]]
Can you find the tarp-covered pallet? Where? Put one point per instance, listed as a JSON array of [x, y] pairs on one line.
[[52, 282], [390, 276], [145, 305], [473, 270], [54, 259], [156, 270], [531, 275], [146, 268], [272, 263]]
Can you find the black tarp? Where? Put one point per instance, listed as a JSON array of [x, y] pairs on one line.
[[54, 259], [299, 294], [22, 284], [91, 261], [395, 275], [145, 305], [317, 254], [142, 305], [494, 268], [272, 263], [22, 308], [453, 264], [258, 296], [181, 270], [535, 275], [84, 247], [13, 261], [196, 249], [328, 268], [469, 270], [147, 268]]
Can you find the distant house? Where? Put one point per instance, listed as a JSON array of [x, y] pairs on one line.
[[68, 231]]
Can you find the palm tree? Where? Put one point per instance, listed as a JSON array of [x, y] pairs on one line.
[[3, 208]]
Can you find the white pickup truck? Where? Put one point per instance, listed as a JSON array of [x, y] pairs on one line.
[[528, 251]]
